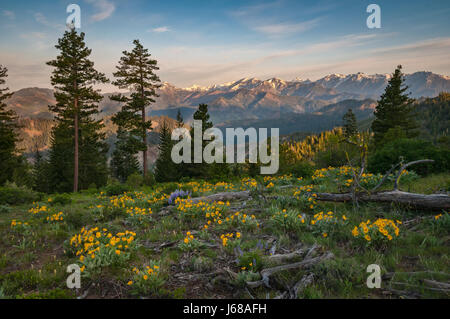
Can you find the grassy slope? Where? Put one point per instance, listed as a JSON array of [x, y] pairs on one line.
[[33, 264]]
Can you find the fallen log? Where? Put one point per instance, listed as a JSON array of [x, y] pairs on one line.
[[225, 196], [434, 201], [279, 258]]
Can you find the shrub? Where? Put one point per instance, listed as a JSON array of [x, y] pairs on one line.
[[336, 155], [169, 188], [61, 199], [13, 195], [5, 209], [116, 189], [410, 150], [149, 179], [302, 169], [135, 180]]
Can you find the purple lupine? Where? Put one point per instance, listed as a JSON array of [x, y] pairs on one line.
[[176, 194]]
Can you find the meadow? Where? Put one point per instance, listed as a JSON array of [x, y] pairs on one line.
[[263, 237]]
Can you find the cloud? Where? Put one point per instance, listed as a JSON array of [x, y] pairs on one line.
[[286, 28], [40, 18], [9, 14], [252, 9], [34, 35], [160, 29], [105, 7]]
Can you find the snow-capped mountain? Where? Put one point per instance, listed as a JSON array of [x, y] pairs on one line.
[[255, 98]]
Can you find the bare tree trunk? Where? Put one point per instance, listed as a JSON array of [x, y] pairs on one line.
[[144, 140], [75, 165]]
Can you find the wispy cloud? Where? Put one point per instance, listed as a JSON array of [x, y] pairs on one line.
[[106, 9], [257, 8], [287, 28], [34, 35], [40, 18], [160, 29], [9, 14]]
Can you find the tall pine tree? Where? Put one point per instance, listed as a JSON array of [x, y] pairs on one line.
[[8, 132], [78, 150], [136, 73], [165, 169], [394, 110], [350, 126]]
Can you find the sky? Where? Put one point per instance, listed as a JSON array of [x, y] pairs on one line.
[[206, 42]]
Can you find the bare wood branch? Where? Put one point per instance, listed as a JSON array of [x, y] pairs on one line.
[[433, 201], [389, 172], [304, 264], [399, 174], [301, 285], [279, 258]]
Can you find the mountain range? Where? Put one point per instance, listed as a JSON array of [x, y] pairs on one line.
[[252, 98], [297, 105]]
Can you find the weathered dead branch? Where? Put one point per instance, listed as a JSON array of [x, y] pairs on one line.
[[304, 264], [433, 201]]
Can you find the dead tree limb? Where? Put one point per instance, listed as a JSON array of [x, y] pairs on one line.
[[225, 196], [434, 201], [304, 264], [301, 285], [399, 173]]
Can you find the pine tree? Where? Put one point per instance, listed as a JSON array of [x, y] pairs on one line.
[[8, 132], [350, 126], [124, 162], [180, 121], [394, 110], [40, 171], [198, 169], [136, 72], [78, 150], [165, 169]]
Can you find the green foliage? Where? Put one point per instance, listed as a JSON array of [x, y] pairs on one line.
[[136, 72], [8, 135], [300, 169], [180, 121], [165, 169], [394, 109], [192, 169], [5, 209], [116, 189], [123, 160], [61, 199], [434, 116], [14, 195], [135, 181], [288, 220], [350, 126], [23, 173], [410, 150], [307, 150], [149, 179], [76, 130], [335, 154]]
